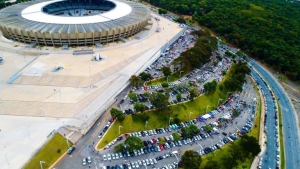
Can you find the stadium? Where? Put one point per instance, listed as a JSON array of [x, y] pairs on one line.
[[73, 22]]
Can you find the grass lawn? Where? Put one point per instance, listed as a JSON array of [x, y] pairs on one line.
[[172, 78], [282, 157], [160, 118], [255, 131], [49, 153]]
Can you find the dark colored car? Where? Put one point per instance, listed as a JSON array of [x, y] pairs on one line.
[[70, 150]]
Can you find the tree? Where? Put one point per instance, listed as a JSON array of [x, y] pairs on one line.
[[178, 97], [176, 120], [193, 92], [165, 85], [134, 80], [166, 71], [235, 112], [119, 148], [194, 129], [139, 107], [162, 11], [224, 72], [145, 76], [161, 140], [133, 96], [159, 100], [208, 128], [234, 154], [212, 164], [250, 145], [133, 143], [191, 160], [147, 94], [176, 136], [210, 86], [117, 113]]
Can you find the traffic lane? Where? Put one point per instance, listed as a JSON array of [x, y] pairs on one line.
[[270, 155], [289, 118]]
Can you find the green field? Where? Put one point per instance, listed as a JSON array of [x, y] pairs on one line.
[[51, 152], [172, 78], [160, 118]]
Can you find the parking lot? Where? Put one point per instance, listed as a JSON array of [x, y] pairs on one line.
[[226, 128]]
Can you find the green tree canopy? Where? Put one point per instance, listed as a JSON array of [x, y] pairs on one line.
[[159, 100], [117, 113], [194, 92], [191, 160], [133, 96], [133, 143], [179, 97], [250, 145], [212, 164], [210, 86], [145, 76], [134, 80], [139, 107], [166, 71]]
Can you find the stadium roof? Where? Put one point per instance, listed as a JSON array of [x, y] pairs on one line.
[[35, 13]]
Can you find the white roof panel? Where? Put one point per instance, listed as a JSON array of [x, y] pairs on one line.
[[35, 13]]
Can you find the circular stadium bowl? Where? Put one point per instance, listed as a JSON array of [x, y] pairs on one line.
[[73, 22]]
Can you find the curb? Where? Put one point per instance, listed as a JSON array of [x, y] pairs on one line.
[[58, 160]]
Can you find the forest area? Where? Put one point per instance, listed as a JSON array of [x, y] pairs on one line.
[[267, 30]]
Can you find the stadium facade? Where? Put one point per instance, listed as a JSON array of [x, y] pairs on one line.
[[73, 22]]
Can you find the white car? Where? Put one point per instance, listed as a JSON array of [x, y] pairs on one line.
[[89, 160], [104, 157], [84, 161], [108, 157]]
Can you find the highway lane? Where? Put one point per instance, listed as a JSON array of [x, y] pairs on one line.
[[290, 129], [269, 159]]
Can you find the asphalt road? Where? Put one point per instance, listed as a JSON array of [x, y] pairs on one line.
[[269, 160], [290, 125]]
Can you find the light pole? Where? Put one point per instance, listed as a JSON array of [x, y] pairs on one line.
[[200, 146], [67, 139], [180, 73], [176, 158], [45, 112], [218, 102], [190, 115], [27, 131], [146, 124], [227, 94], [170, 120], [207, 107], [120, 129], [5, 158], [41, 163]]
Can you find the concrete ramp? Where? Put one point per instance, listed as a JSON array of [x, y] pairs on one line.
[[4, 39]]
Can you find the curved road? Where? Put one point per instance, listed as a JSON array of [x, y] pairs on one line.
[[289, 119]]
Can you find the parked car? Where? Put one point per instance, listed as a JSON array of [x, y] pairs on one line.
[[70, 150]]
